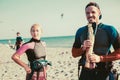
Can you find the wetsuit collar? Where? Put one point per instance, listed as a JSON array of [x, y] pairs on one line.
[[34, 40]]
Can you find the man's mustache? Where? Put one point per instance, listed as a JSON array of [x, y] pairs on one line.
[[90, 17]]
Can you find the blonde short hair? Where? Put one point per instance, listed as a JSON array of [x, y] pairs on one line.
[[36, 25]]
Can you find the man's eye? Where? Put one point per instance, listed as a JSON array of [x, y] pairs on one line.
[[93, 12]]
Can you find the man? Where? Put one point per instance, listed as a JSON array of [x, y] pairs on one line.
[[19, 41], [105, 37]]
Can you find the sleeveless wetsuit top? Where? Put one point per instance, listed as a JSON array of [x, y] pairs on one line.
[[34, 50]]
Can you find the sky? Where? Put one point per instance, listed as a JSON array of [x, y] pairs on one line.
[[20, 15]]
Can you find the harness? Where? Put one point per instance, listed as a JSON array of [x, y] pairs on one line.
[[39, 66]]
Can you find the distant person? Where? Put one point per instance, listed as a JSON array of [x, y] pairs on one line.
[[62, 15], [94, 46], [10, 44], [35, 50], [19, 41]]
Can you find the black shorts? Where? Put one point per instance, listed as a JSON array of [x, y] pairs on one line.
[[93, 74]]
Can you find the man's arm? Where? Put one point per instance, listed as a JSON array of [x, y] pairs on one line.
[[111, 57], [116, 54], [76, 52], [105, 58]]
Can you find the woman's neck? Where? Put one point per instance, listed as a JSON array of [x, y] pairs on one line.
[[35, 40]]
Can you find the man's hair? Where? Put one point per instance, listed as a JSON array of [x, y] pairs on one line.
[[18, 33], [94, 4]]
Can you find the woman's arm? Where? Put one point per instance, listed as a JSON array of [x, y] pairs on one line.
[[16, 58], [20, 52]]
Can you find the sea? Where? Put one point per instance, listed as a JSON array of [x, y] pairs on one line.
[[53, 42]]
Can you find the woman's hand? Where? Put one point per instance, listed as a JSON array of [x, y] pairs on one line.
[[16, 58], [27, 69]]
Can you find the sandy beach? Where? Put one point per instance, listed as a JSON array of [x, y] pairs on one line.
[[64, 66]]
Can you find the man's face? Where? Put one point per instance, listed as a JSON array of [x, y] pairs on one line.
[[92, 14], [18, 34]]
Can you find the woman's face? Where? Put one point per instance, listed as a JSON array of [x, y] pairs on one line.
[[36, 32], [92, 14]]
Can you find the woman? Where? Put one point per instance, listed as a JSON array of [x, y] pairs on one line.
[[35, 51]]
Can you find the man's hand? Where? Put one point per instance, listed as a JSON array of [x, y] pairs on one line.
[[94, 58], [86, 45]]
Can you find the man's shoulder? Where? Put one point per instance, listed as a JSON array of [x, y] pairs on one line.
[[108, 27], [111, 30], [19, 38], [81, 29]]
